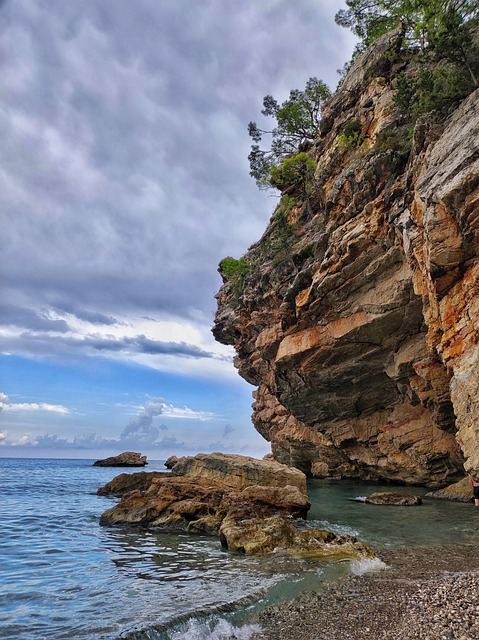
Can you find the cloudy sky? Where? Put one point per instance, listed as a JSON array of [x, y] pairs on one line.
[[124, 181]]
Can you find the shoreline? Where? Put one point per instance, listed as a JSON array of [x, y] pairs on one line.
[[424, 594]]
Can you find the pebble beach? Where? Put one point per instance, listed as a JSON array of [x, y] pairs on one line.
[[422, 594]]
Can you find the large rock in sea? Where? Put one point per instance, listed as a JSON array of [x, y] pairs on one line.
[[360, 330], [125, 459], [186, 500]]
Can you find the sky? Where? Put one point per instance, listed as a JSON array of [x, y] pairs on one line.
[[124, 180]]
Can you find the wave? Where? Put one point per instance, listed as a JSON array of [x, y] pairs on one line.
[[219, 629], [366, 565]]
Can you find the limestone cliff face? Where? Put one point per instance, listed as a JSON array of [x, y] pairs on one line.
[[362, 335]]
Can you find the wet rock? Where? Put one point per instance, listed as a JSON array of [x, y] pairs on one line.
[[125, 459], [264, 535], [393, 498]]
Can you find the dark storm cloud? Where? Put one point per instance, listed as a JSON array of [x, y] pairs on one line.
[[41, 343], [20, 316], [94, 317], [124, 147]]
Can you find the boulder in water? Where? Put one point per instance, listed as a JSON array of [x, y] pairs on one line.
[[198, 502], [125, 459], [126, 482], [393, 498]]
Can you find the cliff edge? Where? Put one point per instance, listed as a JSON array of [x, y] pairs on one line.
[[359, 326]]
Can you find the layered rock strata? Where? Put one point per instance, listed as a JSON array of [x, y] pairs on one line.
[[189, 500], [362, 333]]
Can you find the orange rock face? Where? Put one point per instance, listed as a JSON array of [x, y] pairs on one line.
[[362, 334]]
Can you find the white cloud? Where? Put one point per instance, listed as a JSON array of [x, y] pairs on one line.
[[6, 405], [169, 411]]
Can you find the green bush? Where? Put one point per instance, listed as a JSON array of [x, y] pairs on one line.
[[232, 268], [431, 91], [352, 135], [295, 172]]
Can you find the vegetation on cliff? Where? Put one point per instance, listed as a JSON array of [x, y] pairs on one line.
[[297, 120]]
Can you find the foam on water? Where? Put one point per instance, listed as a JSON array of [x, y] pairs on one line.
[[215, 629], [366, 565], [338, 529]]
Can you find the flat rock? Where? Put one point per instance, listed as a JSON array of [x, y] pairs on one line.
[[239, 472], [459, 491], [394, 498], [125, 459]]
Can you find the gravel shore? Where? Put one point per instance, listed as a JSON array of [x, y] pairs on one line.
[[424, 594]]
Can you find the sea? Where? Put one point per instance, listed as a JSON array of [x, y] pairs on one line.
[[63, 576]]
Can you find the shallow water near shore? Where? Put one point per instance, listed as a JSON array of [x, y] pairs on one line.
[[64, 576]]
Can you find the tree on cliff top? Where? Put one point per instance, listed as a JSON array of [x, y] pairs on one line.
[[444, 31], [297, 120], [424, 20]]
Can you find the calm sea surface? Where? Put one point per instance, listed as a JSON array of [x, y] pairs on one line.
[[64, 576]]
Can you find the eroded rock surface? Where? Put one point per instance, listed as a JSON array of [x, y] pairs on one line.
[[125, 459], [362, 333], [458, 491], [126, 482], [238, 472], [186, 500], [264, 535]]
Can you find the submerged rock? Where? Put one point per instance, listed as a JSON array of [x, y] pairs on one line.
[[125, 459], [393, 498], [264, 535]]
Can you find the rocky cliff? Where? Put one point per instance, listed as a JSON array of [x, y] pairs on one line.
[[360, 330]]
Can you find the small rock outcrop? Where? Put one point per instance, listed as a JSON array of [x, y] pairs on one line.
[[171, 461], [126, 482], [394, 498], [125, 459], [202, 491], [459, 492], [264, 535]]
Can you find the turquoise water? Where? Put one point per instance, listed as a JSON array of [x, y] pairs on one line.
[[64, 576]]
